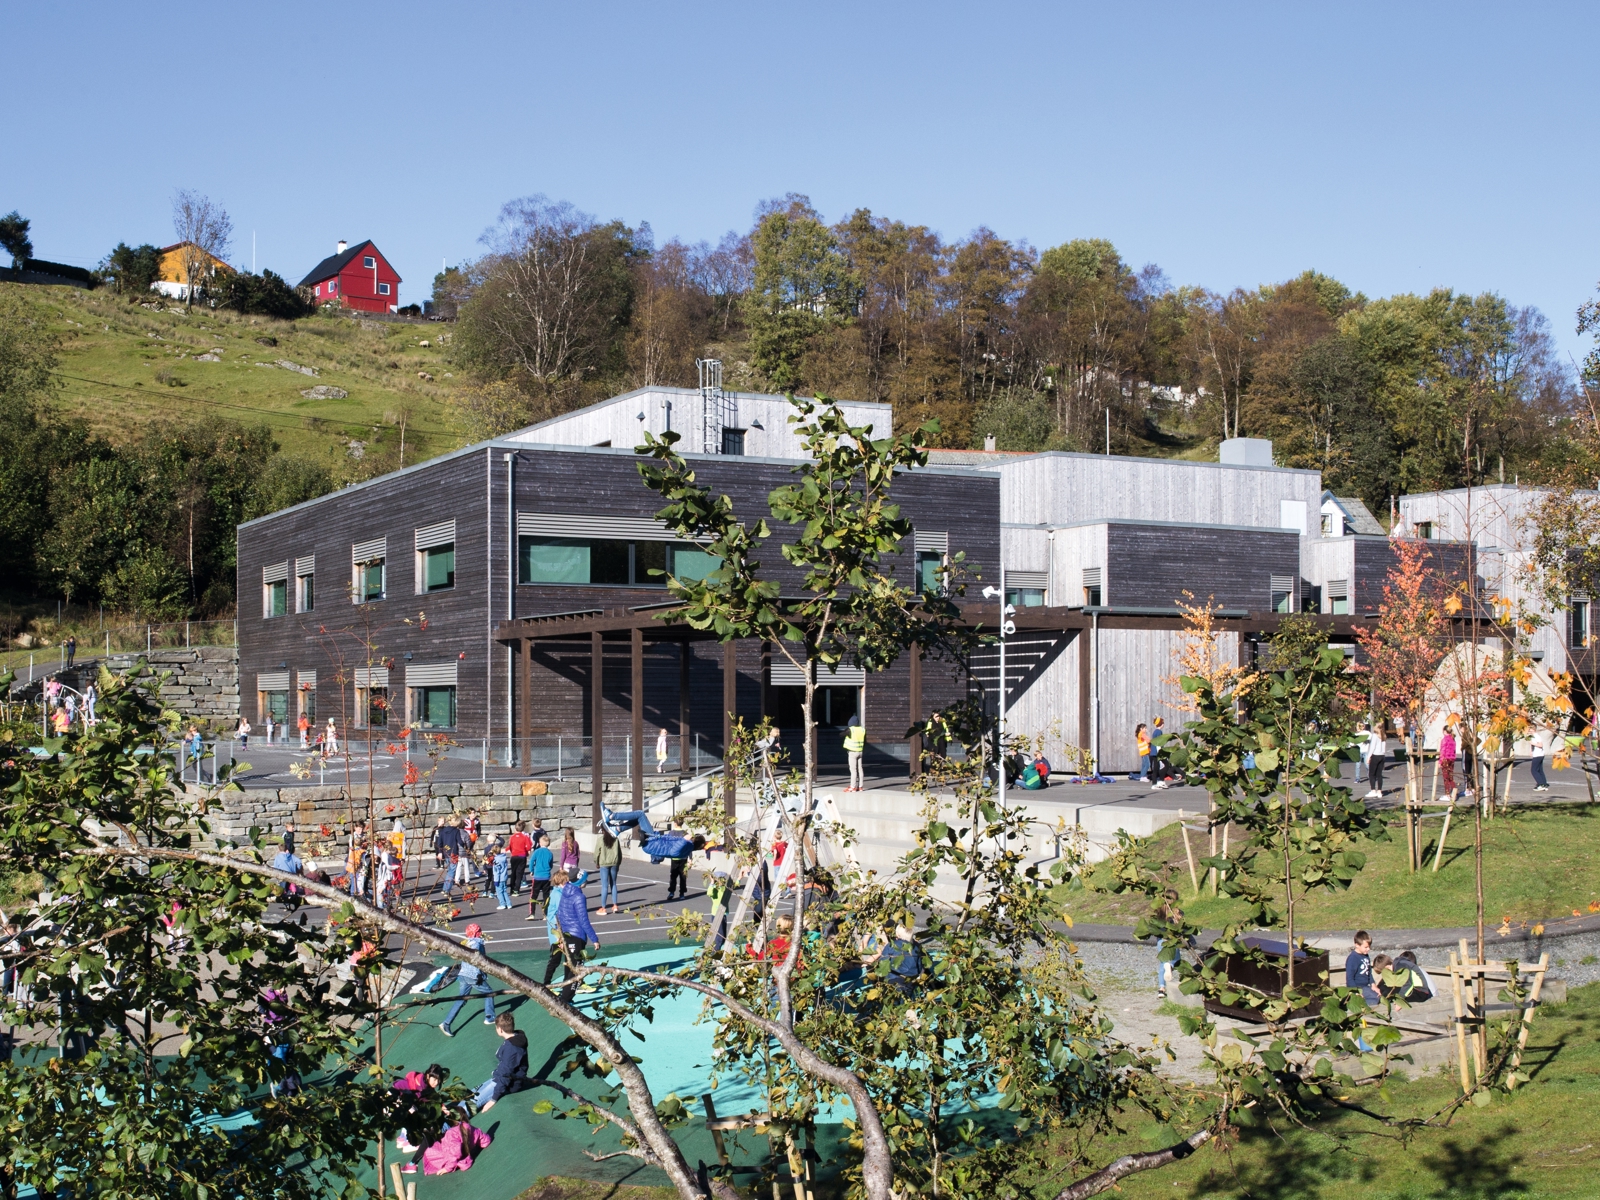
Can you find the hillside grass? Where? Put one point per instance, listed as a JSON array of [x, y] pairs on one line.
[[129, 366], [1540, 862], [1538, 1143]]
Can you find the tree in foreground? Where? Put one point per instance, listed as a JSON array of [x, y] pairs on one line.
[[164, 1013]]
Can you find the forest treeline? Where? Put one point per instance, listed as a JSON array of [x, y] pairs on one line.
[[1037, 349], [146, 527]]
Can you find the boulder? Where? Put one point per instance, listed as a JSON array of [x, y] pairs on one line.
[[324, 391]]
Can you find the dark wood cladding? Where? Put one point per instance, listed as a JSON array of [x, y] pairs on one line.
[[459, 624], [1376, 557], [1152, 566]]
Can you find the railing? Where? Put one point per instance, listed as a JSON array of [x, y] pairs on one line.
[[95, 641]]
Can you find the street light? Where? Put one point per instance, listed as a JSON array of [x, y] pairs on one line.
[[1007, 627]]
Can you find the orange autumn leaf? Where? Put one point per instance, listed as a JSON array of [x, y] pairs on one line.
[[1452, 604]]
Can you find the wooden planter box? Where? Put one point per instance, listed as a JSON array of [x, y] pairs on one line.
[[1269, 978]]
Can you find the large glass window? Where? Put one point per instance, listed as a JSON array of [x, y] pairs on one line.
[[929, 571], [1025, 597], [308, 703], [608, 561], [438, 568], [275, 599], [276, 706], [1580, 624], [433, 707], [307, 599]]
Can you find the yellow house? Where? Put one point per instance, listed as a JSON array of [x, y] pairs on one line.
[[173, 278]]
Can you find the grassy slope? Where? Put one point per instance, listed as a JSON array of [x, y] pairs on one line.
[[112, 351], [1538, 1143], [1540, 862]]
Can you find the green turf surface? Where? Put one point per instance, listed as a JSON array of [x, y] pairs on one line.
[[528, 1145]]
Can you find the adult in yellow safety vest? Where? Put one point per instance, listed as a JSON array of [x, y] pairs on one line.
[[855, 742]]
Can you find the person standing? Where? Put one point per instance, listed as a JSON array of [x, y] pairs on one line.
[[330, 739], [1141, 739], [608, 858], [500, 875], [89, 697], [1377, 756], [541, 864], [570, 854], [304, 724], [269, 729], [855, 745], [243, 733], [519, 846], [1541, 747], [661, 751], [1447, 760], [72, 649]]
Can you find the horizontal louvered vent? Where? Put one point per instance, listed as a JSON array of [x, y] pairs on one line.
[[372, 677], [1027, 579], [576, 525], [308, 679], [786, 674], [1283, 583], [931, 541], [367, 551], [1338, 589], [442, 534], [276, 573], [272, 681], [431, 674], [306, 565], [1091, 577]]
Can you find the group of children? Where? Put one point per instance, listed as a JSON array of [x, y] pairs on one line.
[[66, 706]]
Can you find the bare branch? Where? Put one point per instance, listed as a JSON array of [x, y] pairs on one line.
[[1131, 1164]]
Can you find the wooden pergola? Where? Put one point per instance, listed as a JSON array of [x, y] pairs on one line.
[[662, 622]]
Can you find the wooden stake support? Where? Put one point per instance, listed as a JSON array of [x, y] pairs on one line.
[[1473, 1064], [1188, 853], [1444, 832], [716, 1127]]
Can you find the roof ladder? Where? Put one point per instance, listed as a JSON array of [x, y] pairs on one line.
[[717, 410]]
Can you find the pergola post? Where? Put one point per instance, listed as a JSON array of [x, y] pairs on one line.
[[730, 701], [597, 678], [636, 757], [525, 703], [1085, 700], [683, 707], [916, 709]]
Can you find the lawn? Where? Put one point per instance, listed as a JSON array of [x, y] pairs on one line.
[[126, 367], [1537, 1143], [1540, 862]]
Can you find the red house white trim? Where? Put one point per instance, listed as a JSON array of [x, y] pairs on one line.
[[357, 277]]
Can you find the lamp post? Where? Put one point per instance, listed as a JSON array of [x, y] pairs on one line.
[[1007, 627]]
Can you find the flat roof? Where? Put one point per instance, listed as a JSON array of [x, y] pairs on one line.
[[500, 443], [1151, 459], [1162, 524], [680, 391]]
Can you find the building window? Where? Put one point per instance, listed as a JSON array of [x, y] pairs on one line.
[[609, 561], [372, 707], [333, 286], [433, 707], [930, 572], [1579, 608], [1339, 597], [437, 568], [369, 262], [733, 441], [305, 598], [383, 289], [369, 581], [1025, 597], [319, 289], [1093, 581], [1425, 530], [275, 598], [274, 704], [308, 701], [1328, 520], [1282, 588]]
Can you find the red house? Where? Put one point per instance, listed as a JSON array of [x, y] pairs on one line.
[[356, 276]]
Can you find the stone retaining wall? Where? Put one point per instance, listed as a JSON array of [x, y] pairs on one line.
[[500, 803], [204, 683]]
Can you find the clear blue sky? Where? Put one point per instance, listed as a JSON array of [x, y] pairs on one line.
[[1397, 147]]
